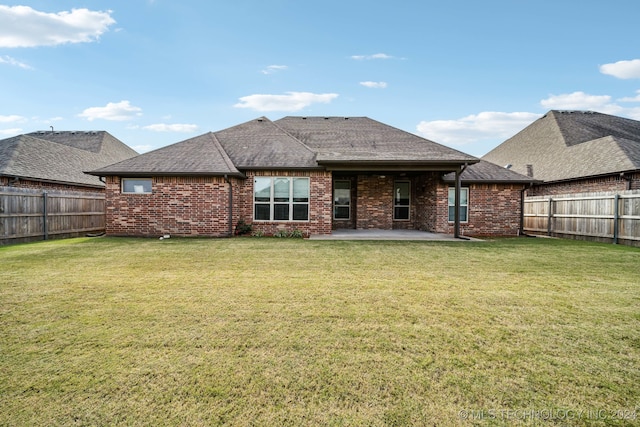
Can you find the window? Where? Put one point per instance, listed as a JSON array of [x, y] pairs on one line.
[[401, 200], [464, 204], [342, 199], [138, 185], [281, 199]]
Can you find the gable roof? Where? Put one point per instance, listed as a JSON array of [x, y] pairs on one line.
[[564, 145], [488, 172], [201, 155], [61, 157], [293, 143], [363, 141]]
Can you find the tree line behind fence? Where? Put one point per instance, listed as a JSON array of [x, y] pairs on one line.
[[610, 216], [29, 215]]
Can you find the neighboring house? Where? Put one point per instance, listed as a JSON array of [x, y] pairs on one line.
[[56, 160], [312, 174], [574, 152]]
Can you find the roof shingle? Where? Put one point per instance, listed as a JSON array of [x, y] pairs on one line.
[[565, 145]]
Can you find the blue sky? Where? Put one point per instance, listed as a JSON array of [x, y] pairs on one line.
[[466, 74]]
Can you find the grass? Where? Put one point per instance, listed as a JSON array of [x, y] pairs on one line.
[[246, 331]]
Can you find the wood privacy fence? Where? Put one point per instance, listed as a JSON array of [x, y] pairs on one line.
[[610, 217], [28, 215]]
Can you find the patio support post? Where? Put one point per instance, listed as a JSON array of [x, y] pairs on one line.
[[456, 215]]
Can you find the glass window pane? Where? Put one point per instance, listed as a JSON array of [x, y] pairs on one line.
[[262, 189], [300, 212], [300, 189], [464, 196], [262, 212], [136, 185], [452, 210], [402, 193], [280, 212], [452, 196], [463, 214], [401, 212], [342, 197], [341, 212], [281, 190]]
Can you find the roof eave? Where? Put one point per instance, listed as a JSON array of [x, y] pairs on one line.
[[164, 173], [395, 165]]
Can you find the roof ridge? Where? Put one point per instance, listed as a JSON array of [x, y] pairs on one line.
[[223, 153], [315, 153]]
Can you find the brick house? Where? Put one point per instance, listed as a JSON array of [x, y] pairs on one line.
[[311, 174], [572, 152]]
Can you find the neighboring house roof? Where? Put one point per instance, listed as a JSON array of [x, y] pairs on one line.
[[61, 157], [294, 143], [488, 172], [201, 155], [361, 140], [565, 145]]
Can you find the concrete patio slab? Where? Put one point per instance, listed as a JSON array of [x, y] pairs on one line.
[[375, 234]]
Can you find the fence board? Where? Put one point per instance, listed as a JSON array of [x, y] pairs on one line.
[[592, 216], [24, 216]]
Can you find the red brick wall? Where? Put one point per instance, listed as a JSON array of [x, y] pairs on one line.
[[374, 205], [199, 206], [46, 186], [591, 185], [180, 206], [494, 210]]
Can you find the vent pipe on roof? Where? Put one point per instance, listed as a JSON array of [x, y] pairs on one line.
[[51, 129], [530, 171]]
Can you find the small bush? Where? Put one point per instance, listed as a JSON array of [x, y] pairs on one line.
[[242, 228]]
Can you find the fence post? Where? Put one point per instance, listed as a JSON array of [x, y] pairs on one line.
[[45, 225], [616, 215], [549, 216]]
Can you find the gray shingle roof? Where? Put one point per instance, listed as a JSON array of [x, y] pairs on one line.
[[201, 155], [361, 139], [61, 157], [489, 173], [565, 145], [260, 144]]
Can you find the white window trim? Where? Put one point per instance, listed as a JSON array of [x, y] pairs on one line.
[[122, 186], [401, 206], [347, 206], [461, 205], [291, 203]]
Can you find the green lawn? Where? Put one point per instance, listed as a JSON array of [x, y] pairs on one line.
[[263, 331]]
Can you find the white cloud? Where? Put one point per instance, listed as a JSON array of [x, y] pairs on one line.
[[12, 61], [115, 111], [162, 127], [622, 69], [273, 68], [22, 26], [374, 56], [475, 127], [14, 131], [631, 99], [12, 119], [576, 101], [374, 85], [292, 101]]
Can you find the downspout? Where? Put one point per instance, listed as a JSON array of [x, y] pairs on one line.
[[228, 181]]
